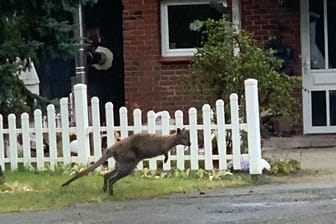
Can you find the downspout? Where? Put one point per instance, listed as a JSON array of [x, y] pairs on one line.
[[236, 15], [236, 20]]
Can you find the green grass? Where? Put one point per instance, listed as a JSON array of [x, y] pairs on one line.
[[42, 190]]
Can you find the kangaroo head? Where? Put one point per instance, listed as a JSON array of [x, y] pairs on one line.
[[183, 137]]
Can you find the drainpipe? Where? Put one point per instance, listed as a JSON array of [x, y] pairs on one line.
[[236, 20], [80, 56]]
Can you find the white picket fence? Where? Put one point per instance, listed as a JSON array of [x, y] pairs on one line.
[[58, 128]]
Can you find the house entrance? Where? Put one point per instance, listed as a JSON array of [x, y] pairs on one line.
[[318, 41], [107, 82]]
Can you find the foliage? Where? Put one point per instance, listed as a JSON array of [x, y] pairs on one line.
[[31, 30], [227, 58], [284, 167], [211, 175]]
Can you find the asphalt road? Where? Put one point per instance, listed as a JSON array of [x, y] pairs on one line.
[[309, 203]]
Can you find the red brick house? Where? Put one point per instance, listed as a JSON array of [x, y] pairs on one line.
[[150, 38]]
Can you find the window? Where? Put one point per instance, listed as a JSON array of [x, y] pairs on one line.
[[176, 15]]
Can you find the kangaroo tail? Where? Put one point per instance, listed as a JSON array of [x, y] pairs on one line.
[[87, 170]]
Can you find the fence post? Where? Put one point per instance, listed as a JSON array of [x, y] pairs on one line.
[[253, 125], [82, 122]]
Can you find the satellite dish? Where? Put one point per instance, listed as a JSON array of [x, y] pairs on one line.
[[106, 58], [217, 6]]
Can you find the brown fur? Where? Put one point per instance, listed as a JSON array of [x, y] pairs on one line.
[[131, 150]]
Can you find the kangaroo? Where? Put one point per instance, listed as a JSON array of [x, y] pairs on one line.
[[131, 150]]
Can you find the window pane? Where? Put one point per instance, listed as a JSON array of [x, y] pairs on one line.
[[317, 53], [179, 19], [332, 102], [332, 33], [319, 115]]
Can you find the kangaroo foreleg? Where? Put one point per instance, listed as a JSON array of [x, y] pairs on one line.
[[165, 157]]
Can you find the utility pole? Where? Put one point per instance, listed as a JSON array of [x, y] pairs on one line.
[[80, 56]]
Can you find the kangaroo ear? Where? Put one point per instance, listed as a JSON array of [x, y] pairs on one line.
[[178, 131]]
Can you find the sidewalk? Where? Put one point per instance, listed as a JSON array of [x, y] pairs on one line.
[[315, 152]]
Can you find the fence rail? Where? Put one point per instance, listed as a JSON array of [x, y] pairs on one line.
[[36, 144]]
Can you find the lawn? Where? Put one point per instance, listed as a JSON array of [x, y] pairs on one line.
[[24, 190]]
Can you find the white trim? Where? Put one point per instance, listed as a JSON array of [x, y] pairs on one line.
[[165, 50], [305, 66]]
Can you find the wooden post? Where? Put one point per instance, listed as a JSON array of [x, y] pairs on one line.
[[82, 122], [253, 125]]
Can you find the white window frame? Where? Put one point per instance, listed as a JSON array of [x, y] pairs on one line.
[[165, 50]]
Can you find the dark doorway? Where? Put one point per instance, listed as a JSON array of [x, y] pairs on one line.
[[107, 84]]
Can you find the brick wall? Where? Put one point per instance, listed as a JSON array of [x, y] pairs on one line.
[[150, 81], [266, 17]]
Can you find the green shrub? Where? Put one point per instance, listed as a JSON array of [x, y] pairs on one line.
[[227, 58], [284, 167]]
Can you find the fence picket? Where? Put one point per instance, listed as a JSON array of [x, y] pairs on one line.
[[206, 110], [13, 153], [137, 117], [97, 140], [65, 130], [179, 148], [52, 135], [165, 131], [193, 138], [39, 139], [123, 122], [110, 130], [26, 140], [151, 130], [221, 134], [235, 131]]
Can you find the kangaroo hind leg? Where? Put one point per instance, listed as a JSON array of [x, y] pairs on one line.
[[108, 176], [122, 170]]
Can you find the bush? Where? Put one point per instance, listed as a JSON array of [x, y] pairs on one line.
[[284, 167], [227, 58]]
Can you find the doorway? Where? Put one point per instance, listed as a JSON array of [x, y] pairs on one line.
[[318, 43], [107, 84]]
